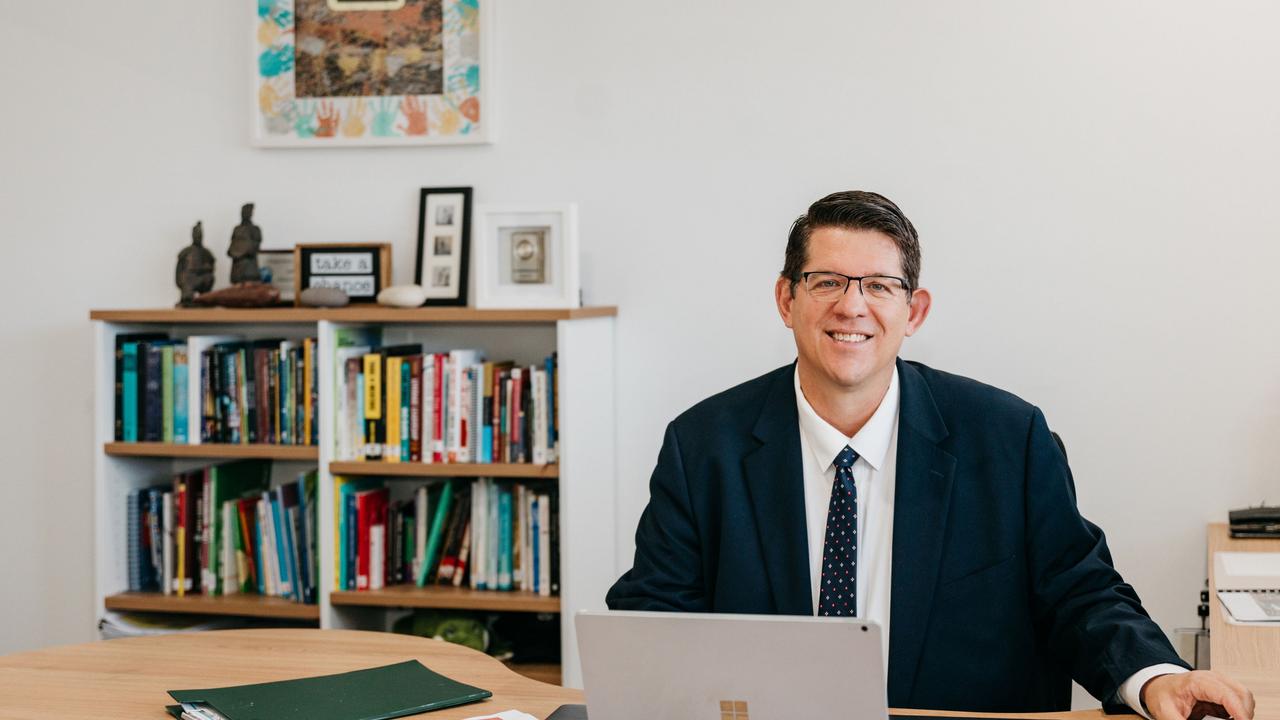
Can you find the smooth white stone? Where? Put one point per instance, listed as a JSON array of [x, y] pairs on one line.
[[406, 296]]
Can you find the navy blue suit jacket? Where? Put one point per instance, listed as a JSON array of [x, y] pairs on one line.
[[1001, 591]]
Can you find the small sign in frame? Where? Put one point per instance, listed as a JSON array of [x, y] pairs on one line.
[[361, 270]]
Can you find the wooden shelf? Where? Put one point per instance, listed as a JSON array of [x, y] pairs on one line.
[[416, 469], [241, 605], [542, 672], [412, 596], [213, 450], [351, 314]]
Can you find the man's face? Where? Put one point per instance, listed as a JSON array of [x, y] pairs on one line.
[[850, 344]]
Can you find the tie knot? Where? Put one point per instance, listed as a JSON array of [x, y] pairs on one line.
[[846, 458]]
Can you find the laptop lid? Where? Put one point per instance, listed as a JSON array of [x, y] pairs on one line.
[[682, 666]]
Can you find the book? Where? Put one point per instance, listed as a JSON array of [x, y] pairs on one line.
[[390, 691], [121, 340], [437, 528]]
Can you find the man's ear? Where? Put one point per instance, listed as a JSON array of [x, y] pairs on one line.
[[918, 308], [782, 294]]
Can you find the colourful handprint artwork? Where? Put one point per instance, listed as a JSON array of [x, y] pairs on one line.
[[405, 76]]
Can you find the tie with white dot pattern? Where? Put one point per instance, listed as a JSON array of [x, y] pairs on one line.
[[839, 588]]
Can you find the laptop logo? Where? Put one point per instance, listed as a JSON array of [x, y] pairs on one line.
[[733, 710]]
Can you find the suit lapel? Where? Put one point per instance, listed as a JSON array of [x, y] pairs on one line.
[[921, 503], [776, 490]]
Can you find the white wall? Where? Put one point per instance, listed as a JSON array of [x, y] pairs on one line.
[[1094, 183]]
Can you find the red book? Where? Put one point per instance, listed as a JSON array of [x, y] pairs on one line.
[[248, 511], [437, 419], [368, 514]]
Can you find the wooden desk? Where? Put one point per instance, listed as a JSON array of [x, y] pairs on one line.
[[1249, 654], [129, 678]]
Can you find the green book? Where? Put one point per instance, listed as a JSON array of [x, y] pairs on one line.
[[390, 691], [166, 392], [230, 481], [433, 539]]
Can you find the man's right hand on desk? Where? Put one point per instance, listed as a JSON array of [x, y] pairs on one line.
[[1174, 696]]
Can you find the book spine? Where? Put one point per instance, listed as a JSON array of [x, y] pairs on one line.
[[420, 521], [504, 539], [437, 409], [152, 419], [415, 409], [405, 450], [437, 528], [544, 545], [133, 536], [364, 513], [372, 406], [166, 393], [391, 377], [129, 392], [308, 389], [166, 519], [181, 397]]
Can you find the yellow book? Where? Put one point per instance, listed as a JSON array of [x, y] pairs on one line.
[[180, 536], [308, 357], [372, 406], [391, 451]]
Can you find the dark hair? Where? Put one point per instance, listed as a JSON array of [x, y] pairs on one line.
[[854, 210]]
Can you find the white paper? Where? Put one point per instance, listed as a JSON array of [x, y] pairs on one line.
[[505, 715], [1246, 570]]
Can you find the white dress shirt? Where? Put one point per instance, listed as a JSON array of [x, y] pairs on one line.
[[874, 475]]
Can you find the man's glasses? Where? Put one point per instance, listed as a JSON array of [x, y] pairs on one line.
[[831, 286]]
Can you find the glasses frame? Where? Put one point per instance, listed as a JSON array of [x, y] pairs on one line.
[[849, 281]]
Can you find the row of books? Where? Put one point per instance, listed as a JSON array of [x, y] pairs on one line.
[[215, 389], [483, 534], [399, 404], [223, 530]]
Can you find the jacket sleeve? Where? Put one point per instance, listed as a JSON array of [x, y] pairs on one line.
[[667, 571], [1091, 619]]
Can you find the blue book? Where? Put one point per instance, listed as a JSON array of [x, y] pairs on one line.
[[405, 399], [180, 410], [534, 528], [261, 570], [282, 546], [504, 538], [129, 394], [552, 431]]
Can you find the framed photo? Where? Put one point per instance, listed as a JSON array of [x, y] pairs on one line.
[[444, 244], [278, 271], [527, 256], [361, 270], [372, 72]]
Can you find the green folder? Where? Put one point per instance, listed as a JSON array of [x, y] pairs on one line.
[[390, 691]]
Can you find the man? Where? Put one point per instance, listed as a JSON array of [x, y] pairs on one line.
[[854, 483]]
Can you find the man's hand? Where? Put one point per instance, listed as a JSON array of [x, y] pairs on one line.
[[1174, 697]]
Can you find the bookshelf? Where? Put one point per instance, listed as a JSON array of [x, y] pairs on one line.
[[584, 342]]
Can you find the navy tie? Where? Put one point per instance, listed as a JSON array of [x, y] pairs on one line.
[[839, 588]]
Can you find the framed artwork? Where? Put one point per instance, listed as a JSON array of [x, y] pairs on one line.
[[278, 272], [372, 72], [361, 270], [444, 244], [527, 256]]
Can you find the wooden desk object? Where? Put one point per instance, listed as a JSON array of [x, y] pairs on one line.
[[1248, 654], [130, 677]]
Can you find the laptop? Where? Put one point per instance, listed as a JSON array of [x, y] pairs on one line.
[[681, 666]]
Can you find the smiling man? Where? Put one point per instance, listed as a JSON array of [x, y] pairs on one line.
[[855, 483]]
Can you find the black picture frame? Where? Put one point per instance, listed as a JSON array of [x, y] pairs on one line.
[[374, 258], [429, 260]]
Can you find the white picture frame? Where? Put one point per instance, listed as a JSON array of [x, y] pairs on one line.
[[526, 256]]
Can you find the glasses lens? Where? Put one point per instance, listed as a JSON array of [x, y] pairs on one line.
[[825, 286], [879, 287]]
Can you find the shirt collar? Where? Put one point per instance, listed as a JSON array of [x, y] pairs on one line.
[[871, 442]]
